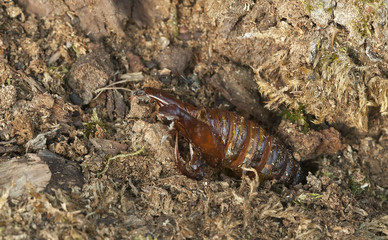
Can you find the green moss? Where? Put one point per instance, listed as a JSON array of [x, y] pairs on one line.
[[356, 187], [338, 80], [381, 196], [91, 126], [76, 51], [306, 199], [307, 5], [297, 116], [368, 12], [58, 72], [312, 5], [173, 21], [124, 155], [327, 174]]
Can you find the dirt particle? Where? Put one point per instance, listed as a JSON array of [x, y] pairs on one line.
[[7, 97], [174, 58], [22, 128], [75, 99], [90, 72], [41, 101], [138, 110], [148, 11], [314, 182], [311, 144], [110, 147], [135, 63]]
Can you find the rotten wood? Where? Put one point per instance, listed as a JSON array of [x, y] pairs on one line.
[[17, 172]]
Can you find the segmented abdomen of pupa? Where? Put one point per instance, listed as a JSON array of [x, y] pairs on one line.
[[247, 144]]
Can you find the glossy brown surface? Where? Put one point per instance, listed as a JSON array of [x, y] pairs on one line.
[[226, 140]]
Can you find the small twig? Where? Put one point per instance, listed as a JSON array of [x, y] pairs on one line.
[[8, 142], [334, 34], [128, 77], [111, 88], [134, 189], [132, 77], [8, 149], [119, 156]]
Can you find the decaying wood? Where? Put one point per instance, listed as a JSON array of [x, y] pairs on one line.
[[65, 173], [18, 171], [8, 149]]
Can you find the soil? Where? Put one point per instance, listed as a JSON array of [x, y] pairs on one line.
[[66, 105]]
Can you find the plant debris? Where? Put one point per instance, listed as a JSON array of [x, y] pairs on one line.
[[67, 73]]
